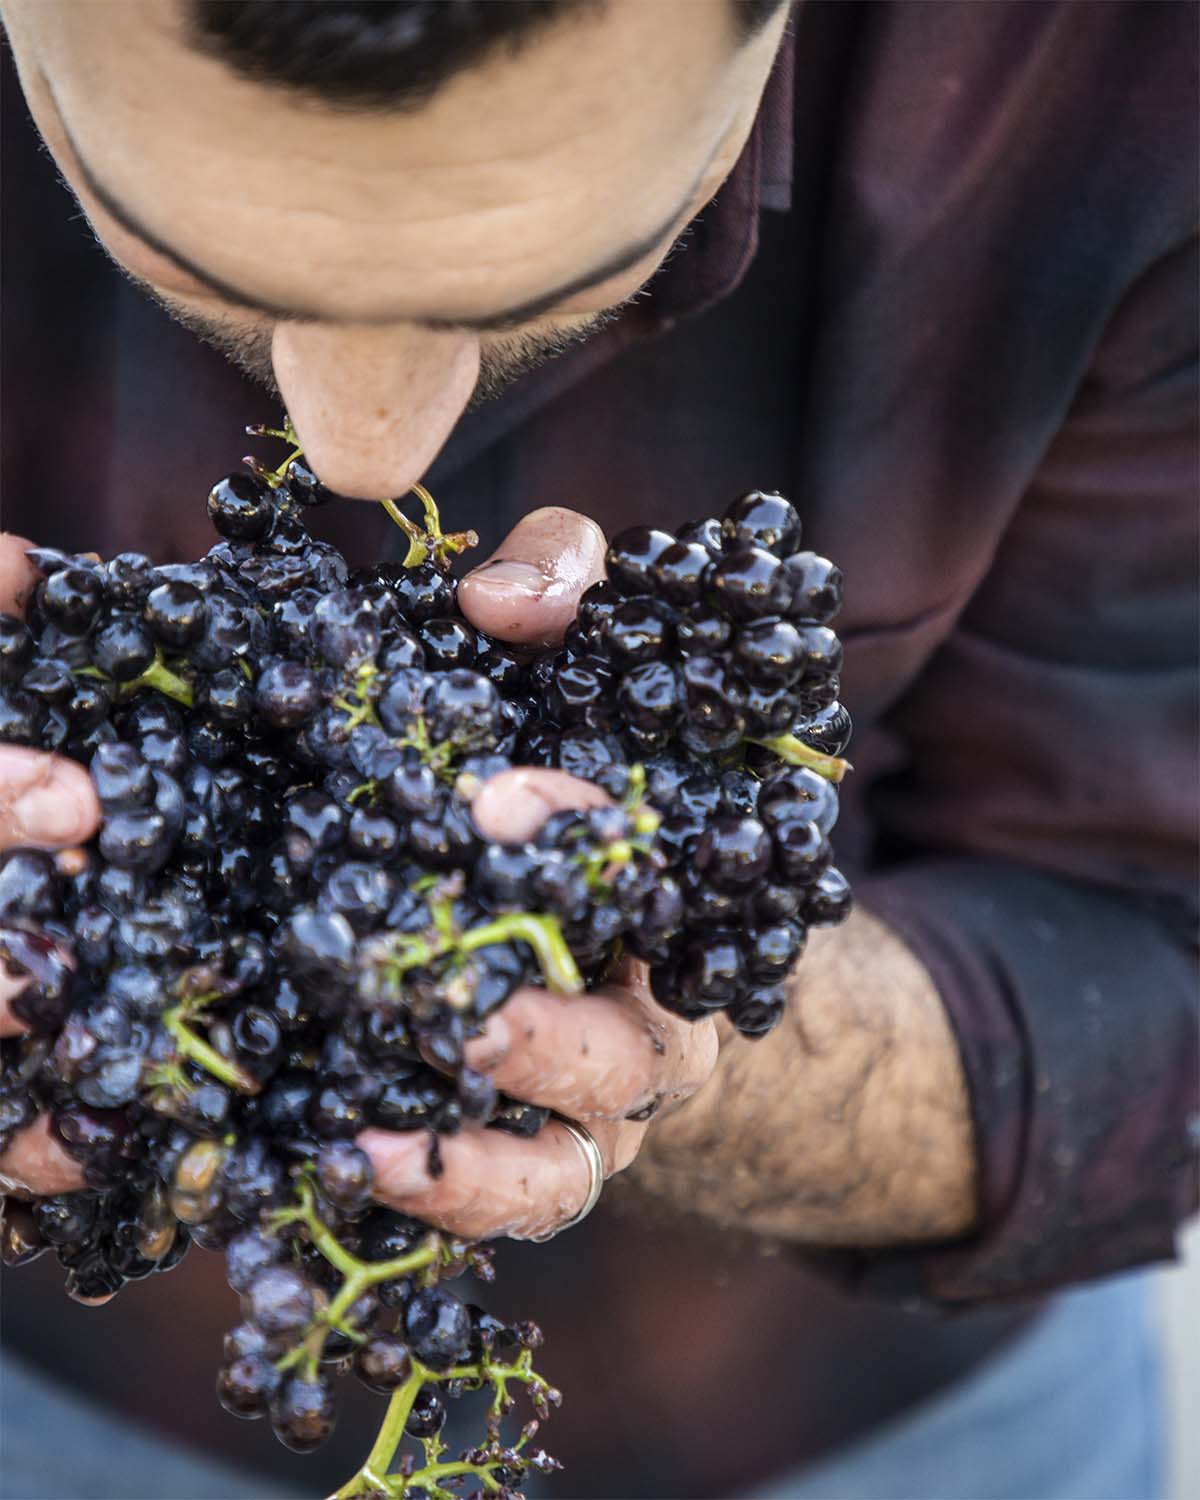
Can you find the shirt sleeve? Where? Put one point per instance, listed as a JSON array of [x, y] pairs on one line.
[[1038, 842]]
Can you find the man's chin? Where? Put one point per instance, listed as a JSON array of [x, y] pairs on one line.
[[504, 360]]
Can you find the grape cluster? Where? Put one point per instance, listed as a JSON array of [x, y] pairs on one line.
[[289, 925]]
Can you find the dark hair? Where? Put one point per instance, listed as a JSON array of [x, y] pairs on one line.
[[390, 54]]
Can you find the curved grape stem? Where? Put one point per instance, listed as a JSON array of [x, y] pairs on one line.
[[432, 542], [205, 1056], [157, 675], [542, 933], [793, 750]]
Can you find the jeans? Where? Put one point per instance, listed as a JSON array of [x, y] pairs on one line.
[[1068, 1411]]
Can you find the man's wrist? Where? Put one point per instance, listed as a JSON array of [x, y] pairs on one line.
[[849, 1126]]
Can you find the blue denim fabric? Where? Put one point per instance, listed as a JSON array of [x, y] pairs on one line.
[[1069, 1411]]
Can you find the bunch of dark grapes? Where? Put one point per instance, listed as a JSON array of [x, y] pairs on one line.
[[289, 926]]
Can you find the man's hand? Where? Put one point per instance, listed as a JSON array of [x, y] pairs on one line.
[[849, 1126], [48, 802], [611, 1059]]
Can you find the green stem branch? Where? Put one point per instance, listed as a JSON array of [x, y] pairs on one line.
[[797, 753], [198, 1051]]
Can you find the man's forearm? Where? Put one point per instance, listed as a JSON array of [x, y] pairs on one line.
[[848, 1126]]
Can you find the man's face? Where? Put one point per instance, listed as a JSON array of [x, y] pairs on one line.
[[377, 261]]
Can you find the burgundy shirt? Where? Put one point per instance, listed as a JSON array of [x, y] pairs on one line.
[[947, 302]]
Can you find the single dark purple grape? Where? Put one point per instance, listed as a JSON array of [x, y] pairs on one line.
[[29, 885], [580, 690], [247, 1384], [304, 486], [280, 1301], [771, 950], [234, 631], [287, 694], [631, 558], [503, 874], [136, 840], [758, 1011], [284, 1106], [748, 583], [89, 704], [426, 1418], [336, 1112], [64, 1219], [596, 605], [707, 533], [639, 631], [776, 901], [462, 708], [822, 653], [816, 588], [680, 571], [798, 794], [303, 1413], [249, 1253], [400, 651], [72, 598], [16, 648], [383, 1363], [346, 629], [828, 731], [448, 642], [255, 1031], [128, 578], [771, 711], [123, 648], [241, 507], [802, 853], [176, 613], [21, 718], [762, 519], [651, 697], [829, 901], [372, 834], [770, 652], [423, 592], [345, 1175], [123, 780], [499, 663], [712, 971], [21, 1241], [446, 840]]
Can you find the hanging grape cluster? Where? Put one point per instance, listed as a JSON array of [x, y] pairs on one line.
[[289, 926]]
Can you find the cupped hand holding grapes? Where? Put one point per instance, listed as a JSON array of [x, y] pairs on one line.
[[611, 1060], [48, 802]]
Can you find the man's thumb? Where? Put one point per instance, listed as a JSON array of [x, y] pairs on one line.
[[527, 592]]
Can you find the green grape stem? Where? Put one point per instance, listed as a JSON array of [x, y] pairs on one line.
[[157, 675], [797, 753], [432, 542], [198, 1051], [542, 933]]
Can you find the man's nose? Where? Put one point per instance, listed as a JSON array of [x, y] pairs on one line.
[[373, 406]]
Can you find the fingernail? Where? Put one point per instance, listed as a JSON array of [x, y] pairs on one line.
[[48, 813], [401, 1166], [508, 574], [484, 1052]]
